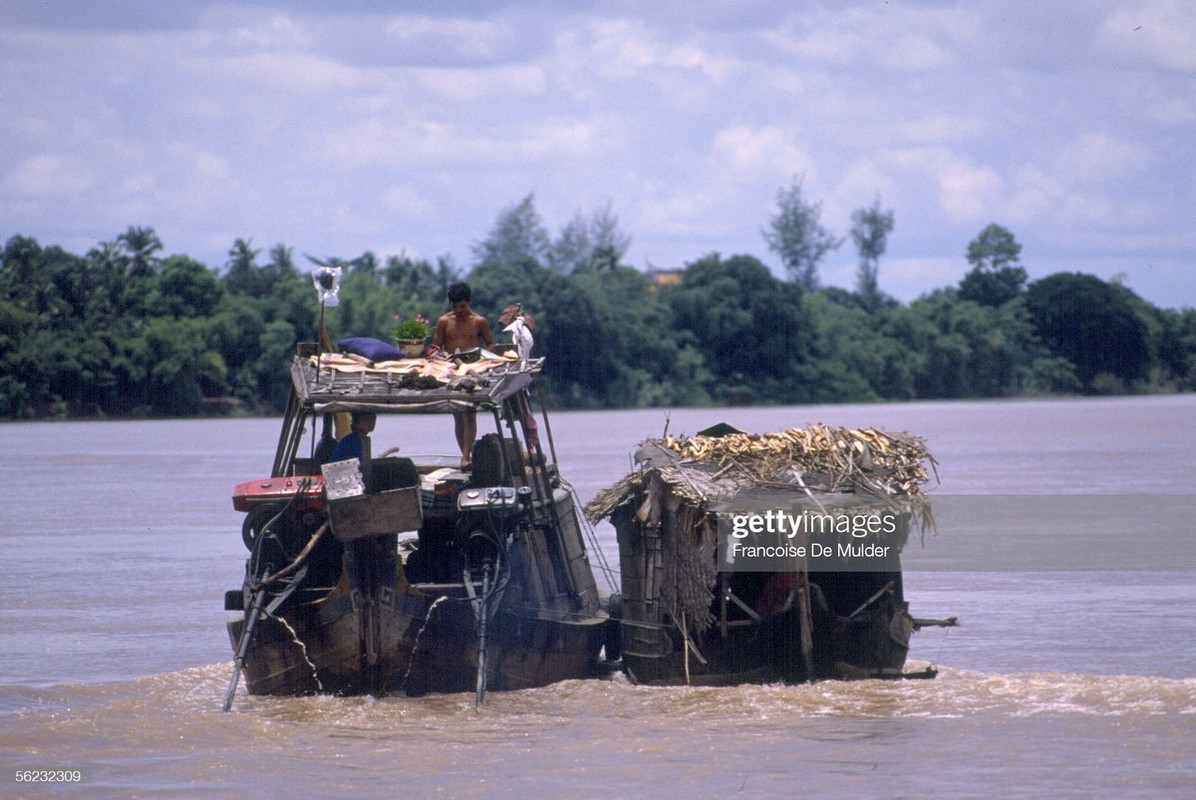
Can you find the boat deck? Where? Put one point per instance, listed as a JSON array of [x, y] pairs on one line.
[[346, 382]]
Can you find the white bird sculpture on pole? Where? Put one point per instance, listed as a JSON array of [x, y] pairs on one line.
[[521, 336]]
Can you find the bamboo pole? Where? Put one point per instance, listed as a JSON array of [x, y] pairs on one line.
[[807, 618]]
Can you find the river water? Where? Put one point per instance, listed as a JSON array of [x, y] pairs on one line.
[[119, 540]]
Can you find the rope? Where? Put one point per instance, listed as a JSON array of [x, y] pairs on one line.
[[592, 539], [299, 559], [942, 642], [685, 645]]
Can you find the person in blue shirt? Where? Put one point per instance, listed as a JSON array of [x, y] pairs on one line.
[[356, 443]]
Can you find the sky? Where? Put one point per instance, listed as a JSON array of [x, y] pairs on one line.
[[337, 128]]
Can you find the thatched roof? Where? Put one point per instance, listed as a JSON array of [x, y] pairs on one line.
[[824, 463]]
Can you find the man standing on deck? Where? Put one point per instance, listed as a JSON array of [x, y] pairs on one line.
[[457, 331]]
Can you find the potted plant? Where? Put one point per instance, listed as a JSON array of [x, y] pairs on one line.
[[410, 334]]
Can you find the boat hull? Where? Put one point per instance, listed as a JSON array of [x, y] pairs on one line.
[[410, 644], [869, 646]]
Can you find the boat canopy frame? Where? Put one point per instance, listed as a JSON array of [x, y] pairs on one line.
[[406, 387], [327, 384]]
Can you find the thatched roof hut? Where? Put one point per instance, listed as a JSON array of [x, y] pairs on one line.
[[666, 515]]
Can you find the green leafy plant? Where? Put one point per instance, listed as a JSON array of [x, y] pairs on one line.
[[417, 328]]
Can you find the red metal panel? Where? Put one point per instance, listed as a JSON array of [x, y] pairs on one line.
[[266, 490]]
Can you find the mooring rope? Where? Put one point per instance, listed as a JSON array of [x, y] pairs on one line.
[[592, 536]]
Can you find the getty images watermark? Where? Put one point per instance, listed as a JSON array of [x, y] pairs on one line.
[[969, 533], [776, 539]]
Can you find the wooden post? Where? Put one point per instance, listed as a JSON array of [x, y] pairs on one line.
[[722, 604], [807, 618], [342, 422]]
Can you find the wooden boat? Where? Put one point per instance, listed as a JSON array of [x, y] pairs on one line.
[[831, 508], [379, 575]]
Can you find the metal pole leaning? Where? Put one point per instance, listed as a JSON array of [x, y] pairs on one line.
[[243, 645]]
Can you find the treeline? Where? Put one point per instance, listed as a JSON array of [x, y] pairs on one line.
[[125, 331]]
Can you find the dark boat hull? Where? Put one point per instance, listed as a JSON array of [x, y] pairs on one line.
[[869, 646], [412, 645]]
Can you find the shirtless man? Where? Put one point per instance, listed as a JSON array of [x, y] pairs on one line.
[[457, 331]]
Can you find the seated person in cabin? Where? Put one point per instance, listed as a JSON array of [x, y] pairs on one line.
[[356, 443], [456, 331]]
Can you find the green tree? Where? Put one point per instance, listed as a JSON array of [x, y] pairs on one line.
[[1183, 330], [967, 349], [125, 268], [410, 278], [518, 234], [996, 277], [870, 229], [366, 309], [568, 330], [650, 361], [177, 366], [1093, 324], [365, 264], [52, 284], [184, 288], [242, 275], [587, 244], [855, 355], [497, 284], [798, 237], [234, 331], [276, 345], [139, 246], [280, 268], [747, 323]]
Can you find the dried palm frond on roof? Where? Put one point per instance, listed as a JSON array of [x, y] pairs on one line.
[[880, 462], [818, 458]]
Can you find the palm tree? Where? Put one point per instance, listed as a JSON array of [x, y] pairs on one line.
[[242, 276], [139, 246]]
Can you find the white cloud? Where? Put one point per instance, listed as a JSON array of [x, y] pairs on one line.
[[389, 143], [378, 142], [1035, 195], [940, 128], [275, 32], [49, 175], [208, 165], [623, 49], [462, 85], [966, 192], [916, 53], [1159, 32], [905, 38], [138, 183], [1096, 158], [866, 180], [686, 212], [287, 71], [755, 153], [334, 130], [405, 200], [471, 38], [1175, 111]]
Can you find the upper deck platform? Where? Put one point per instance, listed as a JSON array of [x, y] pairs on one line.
[[329, 382]]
